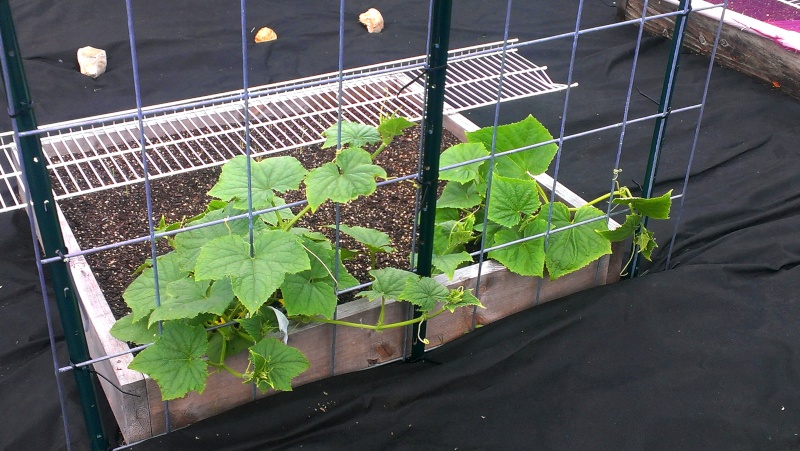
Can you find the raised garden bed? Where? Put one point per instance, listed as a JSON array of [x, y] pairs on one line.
[[136, 399], [762, 50]]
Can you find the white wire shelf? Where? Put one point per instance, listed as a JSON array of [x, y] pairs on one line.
[[99, 153]]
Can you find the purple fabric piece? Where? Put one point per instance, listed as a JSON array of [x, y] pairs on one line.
[[764, 10], [789, 25]]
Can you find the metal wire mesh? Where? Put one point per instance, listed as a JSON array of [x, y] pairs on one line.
[[99, 153]]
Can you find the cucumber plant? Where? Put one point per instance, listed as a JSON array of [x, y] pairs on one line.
[[236, 284]]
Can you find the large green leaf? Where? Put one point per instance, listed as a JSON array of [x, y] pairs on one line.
[[187, 298], [526, 258], [275, 364], [425, 293], [175, 361], [353, 135], [303, 296], [351, 175], [571, 249], [521, 134], [392, 126], [374, 240], [459, 154], [448, 263], [141, 293], [511, 199], [389, 283], [272, 174], [459, 195], [189, 243], [125, 329], [254, 279], [655, 207]]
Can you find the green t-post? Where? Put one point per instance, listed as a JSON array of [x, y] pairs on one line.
[[438, 45], [41, 197], [664, 106]]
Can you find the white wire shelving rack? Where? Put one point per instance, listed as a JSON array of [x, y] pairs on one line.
[[204, 132]]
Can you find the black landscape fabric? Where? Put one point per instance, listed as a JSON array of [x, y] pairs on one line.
[[703, 356]]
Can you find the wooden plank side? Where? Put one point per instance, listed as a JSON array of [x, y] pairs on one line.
[[130, 408], [740, 49]]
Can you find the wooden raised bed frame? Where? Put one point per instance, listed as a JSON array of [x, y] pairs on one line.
[[741, 47], [140, 412]]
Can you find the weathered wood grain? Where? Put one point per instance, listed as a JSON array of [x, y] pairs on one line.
[[739, 48]]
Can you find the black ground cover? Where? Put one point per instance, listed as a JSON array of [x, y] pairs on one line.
[[703, 356]]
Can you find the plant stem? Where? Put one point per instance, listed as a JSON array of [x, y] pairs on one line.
[[378, 327], [225, 367], [598, 200], [379, 150], [542, 193], [296, 218]]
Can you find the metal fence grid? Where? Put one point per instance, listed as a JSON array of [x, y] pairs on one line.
[[99, 153]]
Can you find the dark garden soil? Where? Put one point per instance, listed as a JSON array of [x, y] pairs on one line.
[[120, 214]]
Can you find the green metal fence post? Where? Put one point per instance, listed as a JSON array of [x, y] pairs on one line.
[[664, 106], [438, 46], [41, 197]]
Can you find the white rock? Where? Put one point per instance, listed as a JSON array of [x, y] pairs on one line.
[[92, 61], [266, 34], [373, 19]]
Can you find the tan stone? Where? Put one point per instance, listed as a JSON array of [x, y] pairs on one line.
[[373, 19], [92, 61], [266, 34]]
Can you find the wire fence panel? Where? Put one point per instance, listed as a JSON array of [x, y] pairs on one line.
[[493, 197]]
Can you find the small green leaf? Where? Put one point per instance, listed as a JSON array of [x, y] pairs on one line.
[[526, 258], [353, 135], [374, 240], [626, 230], [125, 329], [655, 207], [320, 254], [254, 279], [521, 134], [461, 153], [187, 298], [448, 263], [511, 199], [461, 298], [275, 364], [392, 126], [175, 361], [425, 293], [302, 296], [458, 195], [260, 324], [389, 283], [571, 249], [141, 293], [351, 175], [646, 242]]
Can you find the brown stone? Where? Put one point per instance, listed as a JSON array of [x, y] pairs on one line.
[[266, 34], [373, 19], [92, 61]]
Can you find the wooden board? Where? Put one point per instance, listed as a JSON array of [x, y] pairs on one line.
[[740, 47], [501, 292]]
